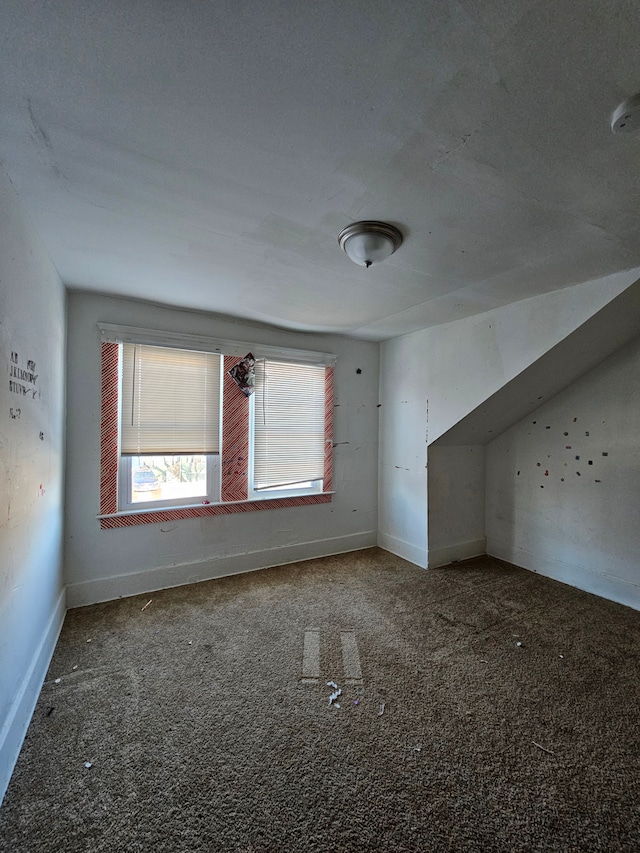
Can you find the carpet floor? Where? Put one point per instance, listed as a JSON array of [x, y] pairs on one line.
[[483, 708]]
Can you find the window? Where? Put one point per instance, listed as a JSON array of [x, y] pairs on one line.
[[288, 428], [180, 439], [169, 426]]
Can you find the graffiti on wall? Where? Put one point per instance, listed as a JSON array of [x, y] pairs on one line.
[[23, 378]]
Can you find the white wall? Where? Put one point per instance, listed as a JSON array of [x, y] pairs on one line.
[[32, 606], [430, 380], [541, 515], [103, 564], [456, 510]]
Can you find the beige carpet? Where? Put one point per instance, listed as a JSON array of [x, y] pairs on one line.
[[206, 732]]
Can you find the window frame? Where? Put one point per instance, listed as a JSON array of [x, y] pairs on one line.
[[111, 515], [314, 487]]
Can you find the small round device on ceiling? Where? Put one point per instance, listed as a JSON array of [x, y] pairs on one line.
[[626, 117]]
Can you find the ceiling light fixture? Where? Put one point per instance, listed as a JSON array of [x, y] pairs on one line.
[[368, 242]]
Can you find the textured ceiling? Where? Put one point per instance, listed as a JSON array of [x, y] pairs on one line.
[[206, 154]]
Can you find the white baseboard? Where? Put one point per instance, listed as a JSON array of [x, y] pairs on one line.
[[597, 583], [164, 577], [412, 553], [17, 722], [456, 552]]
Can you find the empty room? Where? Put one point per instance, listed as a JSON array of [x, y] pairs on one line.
[[319, 457]]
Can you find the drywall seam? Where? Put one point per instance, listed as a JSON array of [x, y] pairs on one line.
[[17, 722], [163, 577], [457, 551], [417, 556], [580, 577]]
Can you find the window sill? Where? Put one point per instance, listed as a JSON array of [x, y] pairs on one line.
[[127, 518]]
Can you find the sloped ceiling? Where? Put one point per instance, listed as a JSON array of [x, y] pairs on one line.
[[206, 154], [600, 336]]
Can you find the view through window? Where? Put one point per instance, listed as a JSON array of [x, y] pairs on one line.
[[162, 478]]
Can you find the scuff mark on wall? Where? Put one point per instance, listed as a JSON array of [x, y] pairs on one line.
[[39, 133], [427, 421], [41, 137]]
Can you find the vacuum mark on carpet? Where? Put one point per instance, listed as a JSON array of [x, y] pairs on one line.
[[350, 658], [311, 656]]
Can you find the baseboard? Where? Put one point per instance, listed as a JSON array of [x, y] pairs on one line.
[[456, 552], [164, 577], [15, 726], [606, 586], [409, 552]]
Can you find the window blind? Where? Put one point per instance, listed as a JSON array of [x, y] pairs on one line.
[[288, 423], [170, 401]]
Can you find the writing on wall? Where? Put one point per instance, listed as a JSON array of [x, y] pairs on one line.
[[25, 463], [23, 379]]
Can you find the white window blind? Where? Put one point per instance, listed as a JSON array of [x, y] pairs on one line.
[[170, 401], [288, 424]]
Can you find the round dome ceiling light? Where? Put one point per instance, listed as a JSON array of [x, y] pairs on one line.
[[626, 117], [369, 242]]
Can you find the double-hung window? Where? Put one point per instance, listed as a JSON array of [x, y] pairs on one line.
[[181, 438], [288, 436], [169, 426]]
